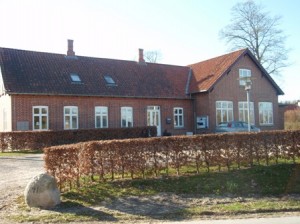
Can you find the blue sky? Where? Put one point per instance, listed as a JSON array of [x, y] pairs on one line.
[[184, 31]]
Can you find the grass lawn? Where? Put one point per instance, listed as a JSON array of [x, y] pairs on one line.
[[260, 189], [19, 153], [272, 180]]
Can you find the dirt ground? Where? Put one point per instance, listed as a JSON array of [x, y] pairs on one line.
[[15, 173]]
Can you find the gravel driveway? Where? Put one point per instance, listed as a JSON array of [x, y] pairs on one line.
[[15, 172]]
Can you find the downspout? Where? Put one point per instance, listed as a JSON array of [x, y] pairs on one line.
[[187, 92], [194, 113]]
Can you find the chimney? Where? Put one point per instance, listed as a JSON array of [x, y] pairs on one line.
[[70, 51], [141, 56]]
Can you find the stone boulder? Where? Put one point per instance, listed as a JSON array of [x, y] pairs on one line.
[[42, 192]]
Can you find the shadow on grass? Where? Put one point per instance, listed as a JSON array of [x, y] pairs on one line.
[[81, 212], [143, 197], [154, 207]]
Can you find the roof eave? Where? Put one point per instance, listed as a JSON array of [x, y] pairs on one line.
[[278, 89], [87, 95], [247, 51]]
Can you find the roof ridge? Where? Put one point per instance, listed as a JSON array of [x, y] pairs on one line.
[[16, 49], [208, 72], [89, 57], [220, 56], [31, 72]]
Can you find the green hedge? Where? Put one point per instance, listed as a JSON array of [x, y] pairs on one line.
[[37, 140], [136, 157]]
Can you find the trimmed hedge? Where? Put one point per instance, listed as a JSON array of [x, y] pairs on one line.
[[136, 157], [37, 140]]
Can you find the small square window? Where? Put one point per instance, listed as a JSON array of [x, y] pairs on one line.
[[109, 80], [75, 77], [244, 75]]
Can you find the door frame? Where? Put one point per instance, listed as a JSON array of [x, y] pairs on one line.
[[156, 122]]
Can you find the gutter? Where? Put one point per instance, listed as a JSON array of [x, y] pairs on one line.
[[188, 82], [84, 95]]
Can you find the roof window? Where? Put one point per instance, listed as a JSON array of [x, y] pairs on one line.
[[75, 78], [109, 80]]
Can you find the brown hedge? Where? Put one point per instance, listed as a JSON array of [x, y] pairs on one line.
[[37, 140], [136, 157]]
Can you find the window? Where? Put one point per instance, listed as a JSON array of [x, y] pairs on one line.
[[126, 117], [101, 117], [265, 113], [109, 80], [75, 78], [243, 112], [224, 111], [70, 117], [40, 118], [244, 73], [178, 117]]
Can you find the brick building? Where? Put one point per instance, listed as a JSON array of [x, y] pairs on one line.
[[46, 91]]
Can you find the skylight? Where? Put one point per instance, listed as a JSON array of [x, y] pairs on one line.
[[75, 77], [109, 80]]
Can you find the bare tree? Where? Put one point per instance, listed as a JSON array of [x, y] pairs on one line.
[[153, 56], [252, 27]]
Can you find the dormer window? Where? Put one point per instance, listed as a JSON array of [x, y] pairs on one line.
[[75, 78], [109, 80]]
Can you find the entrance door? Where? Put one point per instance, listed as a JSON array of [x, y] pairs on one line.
[[153, 118]]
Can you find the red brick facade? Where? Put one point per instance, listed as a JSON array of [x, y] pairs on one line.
[[86, 107], [228, 89], [30, 79]]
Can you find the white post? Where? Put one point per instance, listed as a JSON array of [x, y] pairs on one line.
[[248, 88], [248, 107]]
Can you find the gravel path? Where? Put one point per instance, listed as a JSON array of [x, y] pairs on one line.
[[15, 173]]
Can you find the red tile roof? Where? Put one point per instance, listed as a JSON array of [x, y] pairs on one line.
[[28, 72], [207, 73]]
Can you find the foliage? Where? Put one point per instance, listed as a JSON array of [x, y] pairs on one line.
[[148, 157], [257, 190], [292, 120], [260, 181], [37, 140], [254, 28]]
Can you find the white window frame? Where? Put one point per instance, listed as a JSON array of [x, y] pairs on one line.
[[101, 113], [38, 125], [243, 112], [70, 116], [225, 108], [243, 74], [178, 117], [109, 80], [126, 117], [266, 115]]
